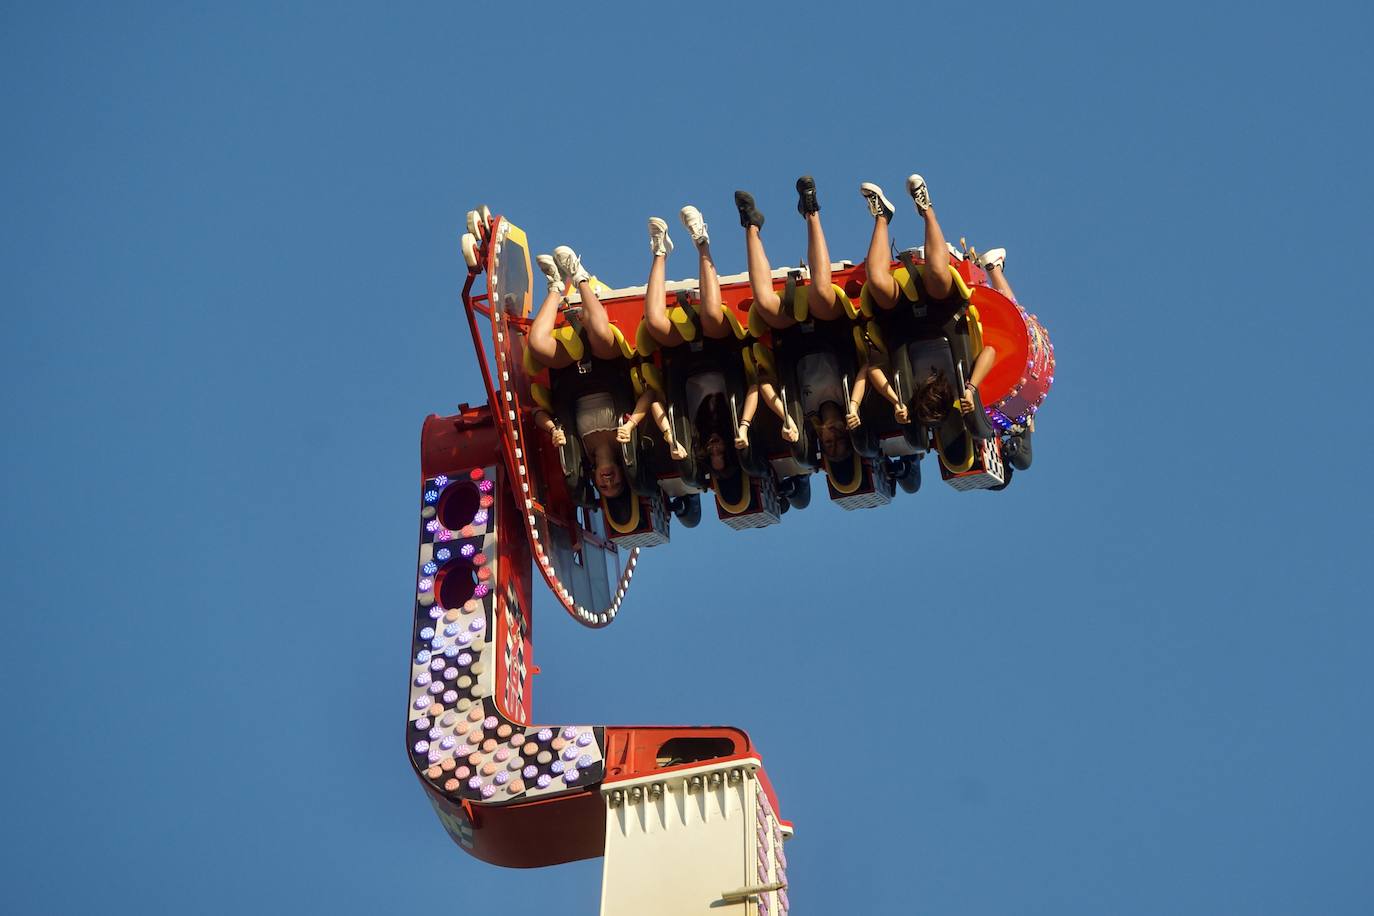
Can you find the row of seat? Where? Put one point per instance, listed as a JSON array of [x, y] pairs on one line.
[[775, 474]]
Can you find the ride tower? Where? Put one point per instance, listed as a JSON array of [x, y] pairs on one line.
[[685, 817]]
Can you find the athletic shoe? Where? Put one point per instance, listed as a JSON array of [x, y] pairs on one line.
[[878, 204], [994, 258], [920, 194], [696, 225], [469, 250], [749, 214], [806, 196], [549, 267], [659, 243], [954, 253], [569, 265]]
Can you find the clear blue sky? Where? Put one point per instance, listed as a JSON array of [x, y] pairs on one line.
[[1137, 682]]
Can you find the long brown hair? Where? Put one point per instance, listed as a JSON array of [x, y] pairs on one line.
[[934, 397], [713, 418]]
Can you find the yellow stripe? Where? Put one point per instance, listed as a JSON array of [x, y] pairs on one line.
[[542, 396], [632, 525], [746, 495], [844, 489]]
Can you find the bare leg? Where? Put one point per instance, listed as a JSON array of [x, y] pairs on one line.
[[999, 282], [938, 281], [540, 338], [600, 337], [884, 387], [820, 295], [712, 312], [881, 286], [655, 305], [768, 302], [773, 399]]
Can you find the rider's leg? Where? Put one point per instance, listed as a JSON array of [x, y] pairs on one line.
[[820, 295], [768, 302], [600, 337], [882, 287], [540, 339], [655, 296], [712, 312]]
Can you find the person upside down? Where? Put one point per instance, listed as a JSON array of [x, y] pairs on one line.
[[598, 428]]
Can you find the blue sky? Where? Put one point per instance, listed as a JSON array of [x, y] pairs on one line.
[[1136, 682]]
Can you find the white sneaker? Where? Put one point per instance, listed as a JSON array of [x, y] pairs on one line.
[[696, 225], [570, 265], [470, 250], [878, 204], [994, 258], [954, 253], [659, 243], [920, 194], [549, 267]]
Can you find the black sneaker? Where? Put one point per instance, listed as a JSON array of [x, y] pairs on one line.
[[806, 196], [749, 214]]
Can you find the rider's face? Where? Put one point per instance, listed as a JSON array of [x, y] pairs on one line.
[[715, 451], [609, 480], [834, 443]]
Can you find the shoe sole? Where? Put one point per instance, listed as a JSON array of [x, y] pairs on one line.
[[867, 189]]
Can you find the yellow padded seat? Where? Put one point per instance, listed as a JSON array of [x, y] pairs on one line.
[[644, 341], [735, 327], [542, 396], [650, 375]]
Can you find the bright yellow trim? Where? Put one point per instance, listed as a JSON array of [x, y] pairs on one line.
[[739, 330], [626, 350], [940, 450], [531, 362], [653, 378], [763, 360], [683, 322], [848, 488], [566, 336], [757, 325], [746, 488], [845, 303], [860, 345], [907, 282], [636, 381], [800, 306], [959, 284], [644, 341], [975, 329], [542, 396], [517, 235], [751, 372], [866, 300], [632, 525]]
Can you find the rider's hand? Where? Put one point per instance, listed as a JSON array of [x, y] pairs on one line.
[[966, 402], [624, 431], [742, 435], [851, 419], [560, 439]]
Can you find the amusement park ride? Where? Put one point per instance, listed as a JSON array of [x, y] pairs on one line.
[[685, 816]]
